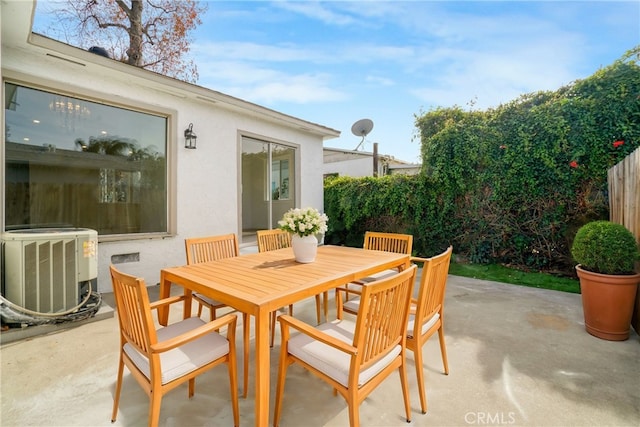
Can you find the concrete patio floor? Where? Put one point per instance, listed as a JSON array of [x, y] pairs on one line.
[[518, 356]]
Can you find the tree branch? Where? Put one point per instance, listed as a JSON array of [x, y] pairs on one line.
[[124, 7], [111, 24]]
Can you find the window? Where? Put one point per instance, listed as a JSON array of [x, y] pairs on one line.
[[71, 162]]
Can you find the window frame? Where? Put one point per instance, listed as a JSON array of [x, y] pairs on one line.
[[59, 88]]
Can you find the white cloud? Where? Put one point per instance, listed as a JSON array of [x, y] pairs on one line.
[[366, 53], [316, 10], [301, 89], [257, 52], [267, 85], [234, 72], [381, 81]]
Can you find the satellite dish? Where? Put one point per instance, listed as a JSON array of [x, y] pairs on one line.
[[361, 128]]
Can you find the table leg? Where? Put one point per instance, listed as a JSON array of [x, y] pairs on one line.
[[165, 290], [262, 367], [187, 303], [325, 297]]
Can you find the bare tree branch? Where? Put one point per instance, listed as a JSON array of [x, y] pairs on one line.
[[153, 34]]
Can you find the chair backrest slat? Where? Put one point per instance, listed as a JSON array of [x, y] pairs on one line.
[[270, 240], [432, 286], [134, 313], [204, 249], [390, 242], [383, 315]]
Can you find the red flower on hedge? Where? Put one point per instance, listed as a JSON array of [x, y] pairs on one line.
[[573, 164], [618, 143]]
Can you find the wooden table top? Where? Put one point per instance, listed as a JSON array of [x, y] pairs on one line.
[[274, 279]]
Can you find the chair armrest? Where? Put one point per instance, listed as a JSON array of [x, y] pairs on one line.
[[418, 259], [166, 301], [289, 321], [228, 319], [349, 291]]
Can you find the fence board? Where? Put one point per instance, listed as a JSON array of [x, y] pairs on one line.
[[624, 205], [624, 193]]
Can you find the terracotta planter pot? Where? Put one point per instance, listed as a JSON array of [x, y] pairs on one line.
[[607, 302]]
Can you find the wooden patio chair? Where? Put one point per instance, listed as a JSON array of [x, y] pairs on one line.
[[378, 241], [211, 248], [162, 359], [270, 240], [204, 249], [354, 357], [427, 313], [390, 242]]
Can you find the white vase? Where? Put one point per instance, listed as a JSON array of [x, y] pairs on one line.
[[304, 248]]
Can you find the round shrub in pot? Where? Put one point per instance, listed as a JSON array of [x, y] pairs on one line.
[[605, 247], [606, 253]]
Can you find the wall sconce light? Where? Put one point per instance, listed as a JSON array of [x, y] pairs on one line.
[[190, 137]]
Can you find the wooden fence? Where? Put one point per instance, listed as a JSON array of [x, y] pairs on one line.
[[624, 193], [624, 205]]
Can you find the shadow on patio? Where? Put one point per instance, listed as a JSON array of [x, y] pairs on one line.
[[518, 356]]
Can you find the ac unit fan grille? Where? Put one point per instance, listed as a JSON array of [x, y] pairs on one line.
[[44, 273]]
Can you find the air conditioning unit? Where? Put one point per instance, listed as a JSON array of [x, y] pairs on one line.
[[45, 269]]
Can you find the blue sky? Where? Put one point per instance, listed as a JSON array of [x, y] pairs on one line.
[[334, 63]]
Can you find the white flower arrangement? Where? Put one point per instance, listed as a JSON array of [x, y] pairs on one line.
[[304, 222]]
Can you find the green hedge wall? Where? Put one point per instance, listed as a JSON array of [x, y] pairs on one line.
[[510, 184]]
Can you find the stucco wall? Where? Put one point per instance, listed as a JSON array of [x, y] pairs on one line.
[[354, 167]]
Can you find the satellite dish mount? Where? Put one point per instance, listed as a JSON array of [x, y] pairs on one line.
[[361, 128]]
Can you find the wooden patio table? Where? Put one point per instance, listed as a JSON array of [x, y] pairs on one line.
[[260, 283]]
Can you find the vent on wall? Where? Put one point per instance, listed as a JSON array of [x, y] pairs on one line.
[[46, 268]]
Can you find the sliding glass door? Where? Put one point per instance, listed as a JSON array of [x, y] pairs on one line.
[[268, 185]]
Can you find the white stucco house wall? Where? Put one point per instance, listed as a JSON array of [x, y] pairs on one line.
[[353, 163], [343, 162], [251, 163]]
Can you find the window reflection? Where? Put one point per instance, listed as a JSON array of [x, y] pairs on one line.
[[74, 162], [280, 179]]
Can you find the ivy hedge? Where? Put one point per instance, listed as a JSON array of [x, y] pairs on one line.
[[509, 185]]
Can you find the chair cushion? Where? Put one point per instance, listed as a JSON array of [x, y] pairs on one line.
[[331, 361], [425, 327], [186, 358], [377, 276], [353, 305], [208, 300]]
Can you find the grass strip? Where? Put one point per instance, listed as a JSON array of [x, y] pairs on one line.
[[500, 273]]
